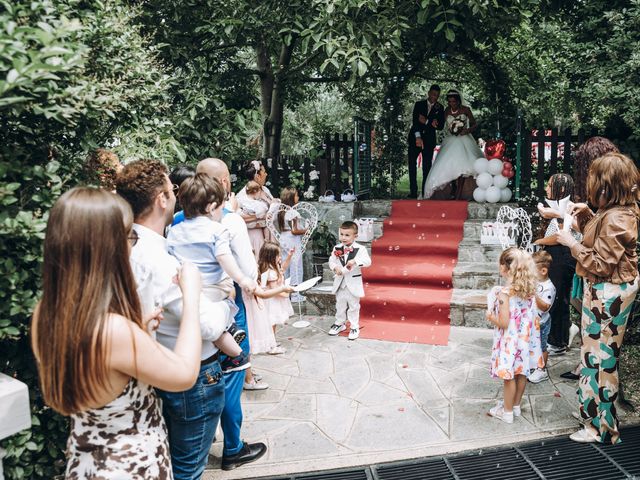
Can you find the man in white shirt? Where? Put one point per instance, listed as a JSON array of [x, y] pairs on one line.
[[191, 416], [235, 452]]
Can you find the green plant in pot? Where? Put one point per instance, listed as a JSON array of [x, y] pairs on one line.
[[323, 241]]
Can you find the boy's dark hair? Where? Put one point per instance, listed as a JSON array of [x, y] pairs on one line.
[[435, 87], [542, 258], [349, 225], [181, 173], [197, 192]]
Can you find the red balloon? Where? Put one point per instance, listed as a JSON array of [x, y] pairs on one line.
[[507, 166], [494, 149], [507, 160], [510, 174]]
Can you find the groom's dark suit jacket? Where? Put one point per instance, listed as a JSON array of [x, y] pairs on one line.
[[427, 132]]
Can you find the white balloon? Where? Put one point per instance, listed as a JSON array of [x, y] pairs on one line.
[[493, 194], [500, 181], [505, 195], [484, 180], [495, 166], [481, 165], [480, 195]]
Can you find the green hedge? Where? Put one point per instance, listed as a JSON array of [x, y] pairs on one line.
[[73, 76]]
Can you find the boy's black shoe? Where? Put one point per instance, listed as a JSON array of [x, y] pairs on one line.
[[235, 364], [237, 333], [249, 453]]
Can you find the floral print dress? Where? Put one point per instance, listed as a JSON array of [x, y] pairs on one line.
[[516, 350]]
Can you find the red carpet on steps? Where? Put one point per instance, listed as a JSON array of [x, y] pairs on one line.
[[408, 286]]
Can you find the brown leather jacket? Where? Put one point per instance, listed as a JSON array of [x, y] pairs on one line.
[[608, 251]]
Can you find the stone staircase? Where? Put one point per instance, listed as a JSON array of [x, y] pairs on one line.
[[475, 273]]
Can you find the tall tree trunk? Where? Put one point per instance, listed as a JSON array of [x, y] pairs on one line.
[[272, 90]]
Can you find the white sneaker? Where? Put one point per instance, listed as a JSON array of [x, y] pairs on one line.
[[573, 331], [336, 329], [499, 413], [539, 375], [556, 351], [255, 385], [583, 436], [354, 333], [277, 351]]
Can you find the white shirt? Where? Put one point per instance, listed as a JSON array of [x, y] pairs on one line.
[[547, 293], [154, 269], [240, 243]]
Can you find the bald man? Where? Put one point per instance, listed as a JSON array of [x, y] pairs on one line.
[[236, 452]]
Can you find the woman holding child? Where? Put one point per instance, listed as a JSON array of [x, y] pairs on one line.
[[255, 217], [606, 259]]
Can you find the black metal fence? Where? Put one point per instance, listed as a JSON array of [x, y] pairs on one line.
[[545, 152]]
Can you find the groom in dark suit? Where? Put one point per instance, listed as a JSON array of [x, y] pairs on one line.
[[428, 116]]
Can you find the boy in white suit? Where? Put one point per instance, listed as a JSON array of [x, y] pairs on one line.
[[346, 261]]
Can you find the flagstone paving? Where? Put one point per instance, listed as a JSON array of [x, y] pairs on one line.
[[335, 403]]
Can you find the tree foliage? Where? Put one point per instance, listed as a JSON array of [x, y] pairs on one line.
[[180, 80]]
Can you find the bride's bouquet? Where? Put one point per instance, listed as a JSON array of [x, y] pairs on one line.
[[456, 127]]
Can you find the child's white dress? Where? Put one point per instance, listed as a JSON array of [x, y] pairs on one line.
[[516, 350], [288, 241], [279, 307]]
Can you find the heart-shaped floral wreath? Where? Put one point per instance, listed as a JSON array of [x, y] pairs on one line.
[[518, 228], [307, 217]]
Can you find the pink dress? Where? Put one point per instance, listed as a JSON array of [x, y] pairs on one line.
[[279, 307], [261, 337], [516, 350]]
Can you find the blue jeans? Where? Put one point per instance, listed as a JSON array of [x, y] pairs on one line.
[[231, 418], [545, 328], [192, 418]]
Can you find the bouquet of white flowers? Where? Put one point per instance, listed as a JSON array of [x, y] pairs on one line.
[[456, 127]]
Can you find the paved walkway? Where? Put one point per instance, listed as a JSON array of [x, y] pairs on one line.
[[335, 403]]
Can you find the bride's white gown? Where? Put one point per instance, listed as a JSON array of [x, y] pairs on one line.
[[456, 157]]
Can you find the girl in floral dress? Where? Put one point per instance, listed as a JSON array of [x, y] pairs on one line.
[[516, 339]]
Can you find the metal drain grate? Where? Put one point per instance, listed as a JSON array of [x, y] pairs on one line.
[[360, 474], [562, 459], [554, 459], [626, 454], [431, 469], [495, 465]]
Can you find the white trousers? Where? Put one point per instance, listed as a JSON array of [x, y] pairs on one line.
[[347, 307]]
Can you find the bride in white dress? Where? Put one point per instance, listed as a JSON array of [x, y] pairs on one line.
[[458, 151]]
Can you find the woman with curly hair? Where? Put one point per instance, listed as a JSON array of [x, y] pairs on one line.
[[607, 260], [101, 168]]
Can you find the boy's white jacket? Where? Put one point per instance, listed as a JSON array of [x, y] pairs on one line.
[[353, 277]]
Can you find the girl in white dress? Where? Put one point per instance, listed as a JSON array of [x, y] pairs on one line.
[[458, 151], [277, 306], [291, 232]]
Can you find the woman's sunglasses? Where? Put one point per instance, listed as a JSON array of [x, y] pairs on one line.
[[133, 238]]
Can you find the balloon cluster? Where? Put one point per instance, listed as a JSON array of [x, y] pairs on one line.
[[493, 174]]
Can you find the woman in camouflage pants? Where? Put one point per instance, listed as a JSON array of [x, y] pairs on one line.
[[607, 261]]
